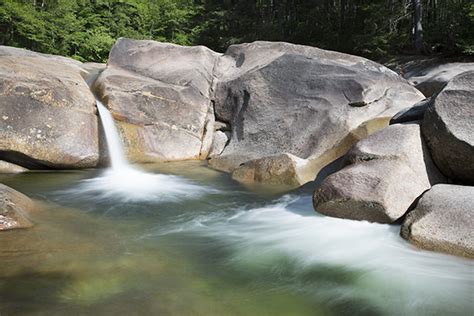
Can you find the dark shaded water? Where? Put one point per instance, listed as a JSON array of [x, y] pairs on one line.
[[205, 245]]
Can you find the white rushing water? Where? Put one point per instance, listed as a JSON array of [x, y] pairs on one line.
[[393, 275], [125, 182], [288, 240], [114, 143]]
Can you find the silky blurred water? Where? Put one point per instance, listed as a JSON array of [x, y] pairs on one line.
[[185, 240]]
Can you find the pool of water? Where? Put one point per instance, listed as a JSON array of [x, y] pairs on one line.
[[187, 240]]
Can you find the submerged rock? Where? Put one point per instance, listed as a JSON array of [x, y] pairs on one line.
[[279, 169], [14, 208], [7, 167], [47, 112], [159, 95], [285, 100], [448, 127], [388, 171], [443, 220]]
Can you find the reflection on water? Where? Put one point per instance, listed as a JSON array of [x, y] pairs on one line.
[[221, 249]]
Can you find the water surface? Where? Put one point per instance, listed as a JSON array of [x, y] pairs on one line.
[[187, 240]]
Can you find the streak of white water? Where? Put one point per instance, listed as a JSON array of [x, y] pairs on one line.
[[114, 145], [128, 183], [394, 276]]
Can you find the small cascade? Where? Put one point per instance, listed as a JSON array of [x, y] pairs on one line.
[[114, 144], [125, 182]]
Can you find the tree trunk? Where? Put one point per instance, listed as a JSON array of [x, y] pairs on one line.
[[417, 26], [391, 24]]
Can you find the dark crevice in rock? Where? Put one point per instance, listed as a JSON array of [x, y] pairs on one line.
[[358, 104], [384, 94], [366, 158], [104, 158], [221, 126], [410, 208], [325, 172], [240, 60], [25, 161], [412, 114], [362, 103], [208, 128], [239, 128], [211, 108]]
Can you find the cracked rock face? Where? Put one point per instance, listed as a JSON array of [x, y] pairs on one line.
[[14, 208], [47, 112], [300, 101], [159, 95], [387, 172]]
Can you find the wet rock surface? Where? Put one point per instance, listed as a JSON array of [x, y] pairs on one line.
[[14, 208], [7, 167]]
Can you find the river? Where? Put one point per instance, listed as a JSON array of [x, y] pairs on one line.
[[187, 240]]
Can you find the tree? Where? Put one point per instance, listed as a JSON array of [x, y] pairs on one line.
[[87, 29], [417, 27]]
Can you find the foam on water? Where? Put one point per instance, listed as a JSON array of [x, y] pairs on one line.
[[124, 182], [393, 275], [133, 185]]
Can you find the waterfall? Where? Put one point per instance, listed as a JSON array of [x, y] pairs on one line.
[[125, 182], [114, 143]]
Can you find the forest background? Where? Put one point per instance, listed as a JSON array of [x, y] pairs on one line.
[[87, 29]]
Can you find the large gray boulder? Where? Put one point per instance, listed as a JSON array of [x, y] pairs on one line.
[[47, 112], [294, 109], [388, 171], [443, 220], [159, 95], [448, 127], [14, 209]]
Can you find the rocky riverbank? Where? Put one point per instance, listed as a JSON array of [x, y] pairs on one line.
[[265, 112], [391, 170]]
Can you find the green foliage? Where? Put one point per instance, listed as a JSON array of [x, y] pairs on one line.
[[87, 29]]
